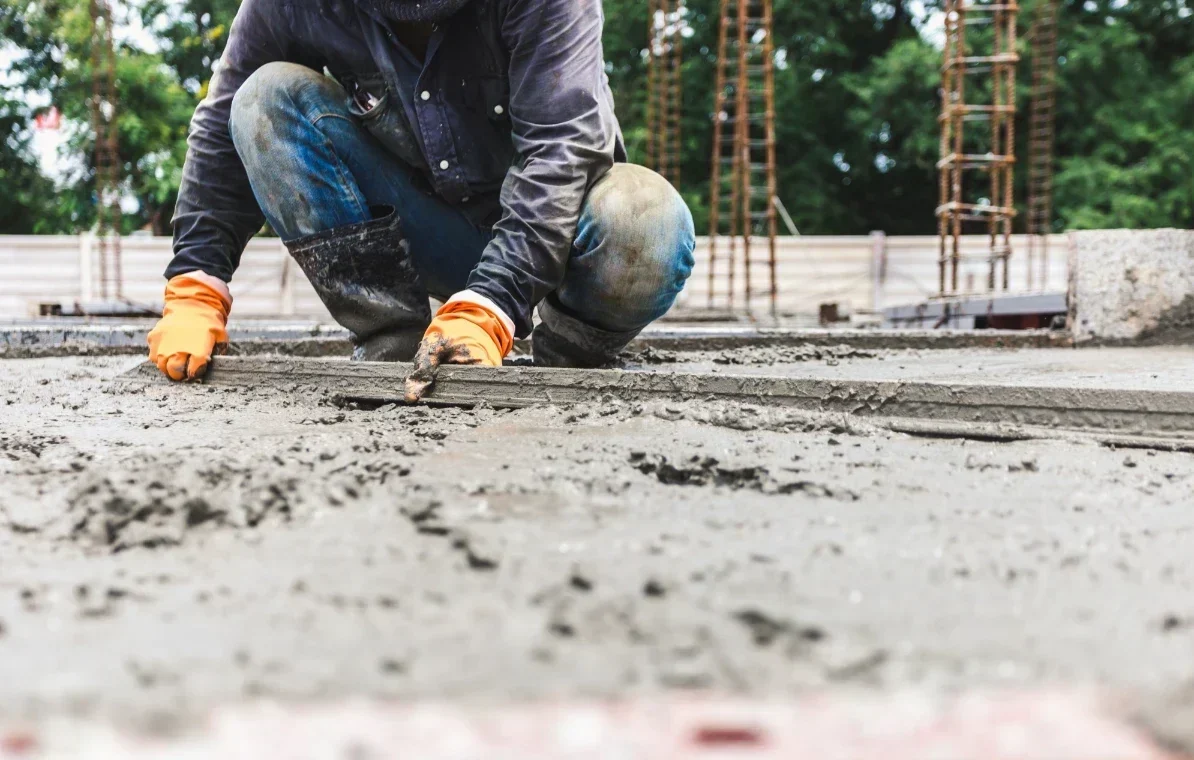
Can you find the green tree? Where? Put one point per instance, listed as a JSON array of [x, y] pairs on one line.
[[1125, 140], [893, 120], [857, 95], [154, 109], [27, 199], [824, 51], [192, 35]]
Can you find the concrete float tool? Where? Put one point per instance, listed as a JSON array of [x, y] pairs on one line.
[[1149, 419]]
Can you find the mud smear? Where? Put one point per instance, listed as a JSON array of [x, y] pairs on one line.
[[210, 545]]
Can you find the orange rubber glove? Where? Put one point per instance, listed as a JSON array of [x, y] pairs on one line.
[[192, 327], [463, 332]]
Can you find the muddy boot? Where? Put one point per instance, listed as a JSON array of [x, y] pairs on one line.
[[366, 278], [562, 340]]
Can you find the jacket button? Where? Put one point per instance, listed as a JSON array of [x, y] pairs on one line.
[[425, 95], [499, 110], [443, 165]]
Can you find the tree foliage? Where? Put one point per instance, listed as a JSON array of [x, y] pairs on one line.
[[1126, 115], [27, 203], [54, 41], [856, 101]]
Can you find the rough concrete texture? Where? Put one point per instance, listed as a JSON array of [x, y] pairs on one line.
[[169, 549], [1128, 285]]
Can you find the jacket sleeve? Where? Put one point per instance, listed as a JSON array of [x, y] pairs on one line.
[[564, 133], [216, 212]]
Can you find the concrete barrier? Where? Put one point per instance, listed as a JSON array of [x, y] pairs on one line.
[[1132, 286]]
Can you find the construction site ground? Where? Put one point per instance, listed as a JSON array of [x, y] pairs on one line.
[[167, 549]]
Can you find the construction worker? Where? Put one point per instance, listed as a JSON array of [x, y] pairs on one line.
[[466, 149]]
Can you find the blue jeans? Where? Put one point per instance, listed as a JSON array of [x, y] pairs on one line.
[[314, 167]]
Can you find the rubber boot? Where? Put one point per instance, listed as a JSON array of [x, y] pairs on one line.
[[365, 276], [562, 340]]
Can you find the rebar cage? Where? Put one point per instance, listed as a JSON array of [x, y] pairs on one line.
[[108, 166], [742, 197], [665, 55], [1041, 142], [977, 164]]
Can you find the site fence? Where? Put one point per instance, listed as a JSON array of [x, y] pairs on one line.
[[860, 273]]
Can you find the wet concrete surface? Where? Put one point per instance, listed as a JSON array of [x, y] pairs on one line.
[[168, 549], [1158, 368]]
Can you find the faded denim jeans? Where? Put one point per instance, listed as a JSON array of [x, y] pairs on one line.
[[313, 168]]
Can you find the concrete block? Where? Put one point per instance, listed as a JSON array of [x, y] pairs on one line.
[[1132, 286]]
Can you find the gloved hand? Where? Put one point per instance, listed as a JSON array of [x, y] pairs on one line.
[[192, 327], [463, 332]]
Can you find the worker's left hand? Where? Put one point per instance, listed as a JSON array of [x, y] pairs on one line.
[[463, 332]]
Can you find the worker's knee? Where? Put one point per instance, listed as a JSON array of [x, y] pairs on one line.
[[633, 250], [276, 103]]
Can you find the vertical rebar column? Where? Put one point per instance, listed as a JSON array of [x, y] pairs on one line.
[[742, 145], [663, 83], [1006, 108], [769, 148], [653, 84], [992, 27], [676, 91], [744, 149], [945, 174], [664, 60], [1042, 120], [719, 120], [107, 155]]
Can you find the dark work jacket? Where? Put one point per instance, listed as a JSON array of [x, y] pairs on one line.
[[520, 110]]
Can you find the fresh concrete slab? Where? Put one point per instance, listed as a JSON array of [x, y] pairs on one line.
[[171, 549]]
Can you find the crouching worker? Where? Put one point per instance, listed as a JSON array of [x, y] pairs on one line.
[[464, 149]]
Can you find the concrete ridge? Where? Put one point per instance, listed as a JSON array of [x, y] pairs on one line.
[[1032, 410]]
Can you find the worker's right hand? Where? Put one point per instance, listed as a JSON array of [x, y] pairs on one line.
[[192, 327], [468, 329]]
